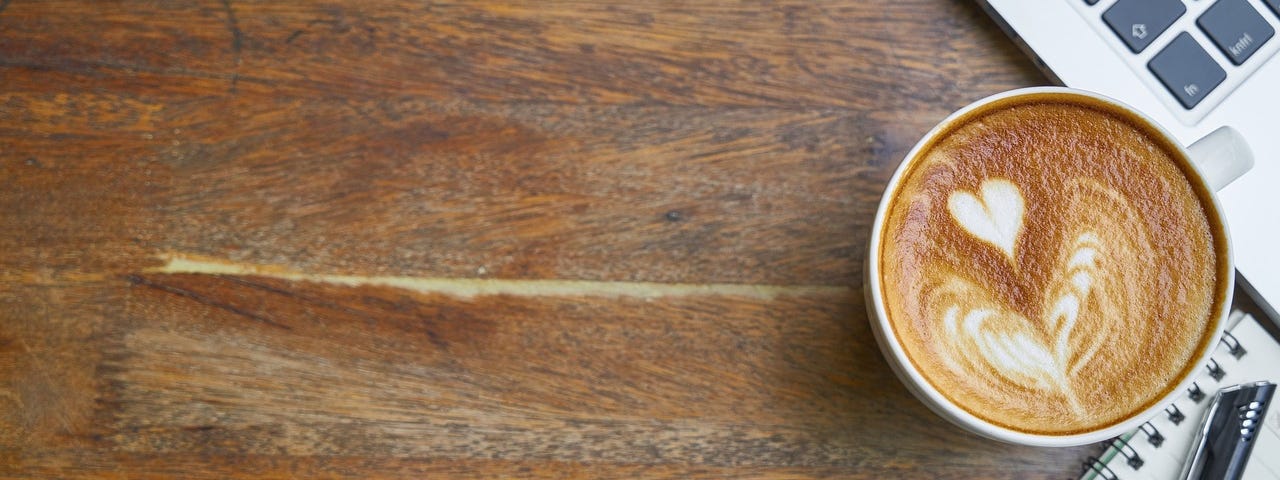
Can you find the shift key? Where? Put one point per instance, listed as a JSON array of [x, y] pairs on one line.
[[1187, 70], [1139, 22]]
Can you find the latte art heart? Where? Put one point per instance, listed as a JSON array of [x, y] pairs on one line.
[[996, 218]]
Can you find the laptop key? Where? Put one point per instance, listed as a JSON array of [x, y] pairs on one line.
[[1236, 28], [1139, 22], [1186, 70]]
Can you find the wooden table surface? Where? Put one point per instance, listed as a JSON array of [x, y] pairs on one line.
[[468, 239]]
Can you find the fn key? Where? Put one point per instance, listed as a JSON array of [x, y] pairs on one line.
[[1186, 70]]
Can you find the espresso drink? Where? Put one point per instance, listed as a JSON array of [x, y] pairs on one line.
[[1050, 265]]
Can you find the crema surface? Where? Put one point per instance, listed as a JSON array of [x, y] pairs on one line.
[[1048, 266]]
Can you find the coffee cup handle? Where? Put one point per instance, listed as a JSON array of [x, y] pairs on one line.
[[1221, 157]]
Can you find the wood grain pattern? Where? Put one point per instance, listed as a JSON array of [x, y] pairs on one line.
[[622, 143]]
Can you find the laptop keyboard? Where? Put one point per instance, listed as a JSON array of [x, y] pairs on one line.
[[1191, 59]]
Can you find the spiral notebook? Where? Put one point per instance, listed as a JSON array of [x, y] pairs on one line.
[[1158, 449]]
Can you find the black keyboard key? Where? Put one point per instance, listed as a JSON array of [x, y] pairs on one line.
[[1186, 70], [1095, 2], [1139, 22], [1274, 4], [1236, 28]]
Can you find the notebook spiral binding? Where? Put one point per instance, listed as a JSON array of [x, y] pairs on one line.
[[1195, 393], [1153, 434], [1233, 346], [1130, 455], [1215, 370], [1098, 467], [1175, 415]]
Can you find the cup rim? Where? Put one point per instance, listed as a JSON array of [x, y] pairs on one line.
[[919, 386]]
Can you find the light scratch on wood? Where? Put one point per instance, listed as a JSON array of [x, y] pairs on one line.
[[477, 287]]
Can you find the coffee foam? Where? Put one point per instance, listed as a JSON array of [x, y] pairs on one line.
[[1051, 290]]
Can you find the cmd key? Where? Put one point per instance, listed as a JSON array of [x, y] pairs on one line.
[[1236, 28], [1139, 22]]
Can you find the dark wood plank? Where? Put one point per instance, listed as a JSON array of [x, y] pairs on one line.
[[454, 181], [233, 366], [74, 465], [918, 53], [419, 187]]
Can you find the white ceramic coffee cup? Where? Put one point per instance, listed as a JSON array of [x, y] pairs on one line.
[[1219, 158]]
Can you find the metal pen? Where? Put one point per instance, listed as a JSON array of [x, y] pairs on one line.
[[1228, 432]]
